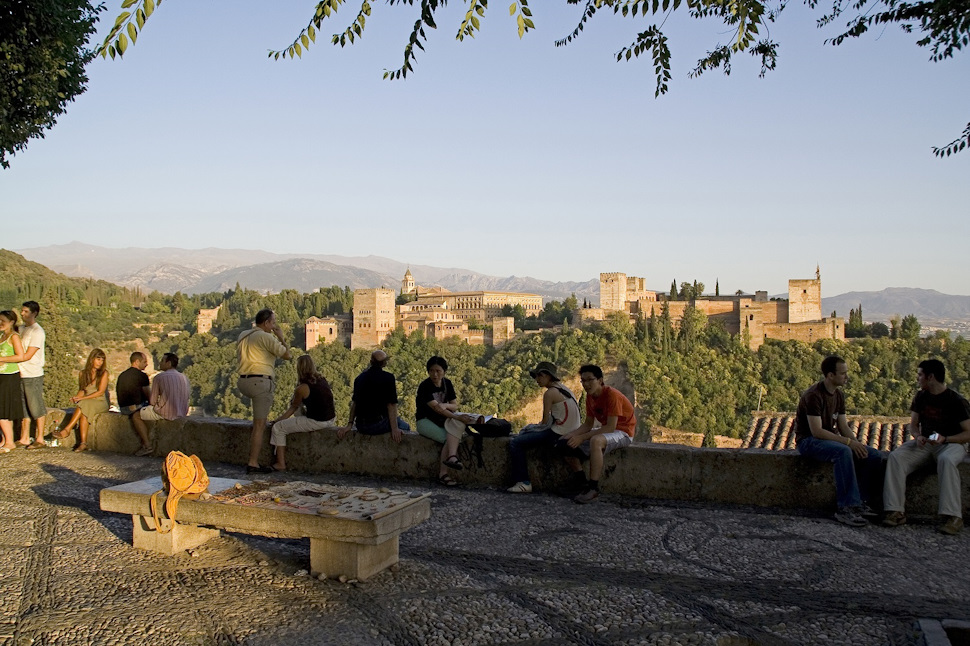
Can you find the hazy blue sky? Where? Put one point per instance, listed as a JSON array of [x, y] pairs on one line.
[[513, 157]]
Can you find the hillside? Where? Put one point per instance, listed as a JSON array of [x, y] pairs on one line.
[[22, 279], [195, 271]]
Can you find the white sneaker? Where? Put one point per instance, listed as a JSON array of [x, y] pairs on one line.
[[520, 487]]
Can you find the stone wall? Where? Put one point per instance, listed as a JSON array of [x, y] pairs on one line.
[[662, 471]]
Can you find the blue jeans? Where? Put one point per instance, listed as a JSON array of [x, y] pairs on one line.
[[853, 477], [518, 445], [381, 426]]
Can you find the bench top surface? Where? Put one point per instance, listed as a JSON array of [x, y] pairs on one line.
[[293, 508]]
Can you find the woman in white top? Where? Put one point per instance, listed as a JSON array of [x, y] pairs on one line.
[[560, 415]]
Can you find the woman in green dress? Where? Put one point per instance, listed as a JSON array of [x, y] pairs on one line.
[[90, 399]]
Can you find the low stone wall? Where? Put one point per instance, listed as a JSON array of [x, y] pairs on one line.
[[662, 471]]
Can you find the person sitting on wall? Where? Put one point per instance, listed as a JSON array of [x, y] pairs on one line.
[[91, 398], [169, 398], [312, 392], [439, 419], [940, 425], [133, 390], [560, 415], [609, 425], [373, 407], [822, 433]]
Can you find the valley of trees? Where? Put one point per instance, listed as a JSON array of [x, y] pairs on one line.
[[696, 377]]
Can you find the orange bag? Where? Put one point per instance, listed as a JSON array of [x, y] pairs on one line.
[[183, 476]]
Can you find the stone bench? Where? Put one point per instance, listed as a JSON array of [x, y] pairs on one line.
[[353, 531]]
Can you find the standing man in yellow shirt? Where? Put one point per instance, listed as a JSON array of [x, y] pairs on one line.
[[257, 350]]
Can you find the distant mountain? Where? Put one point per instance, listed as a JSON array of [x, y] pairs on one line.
[[192, 271], [925, 304], [301, 274]]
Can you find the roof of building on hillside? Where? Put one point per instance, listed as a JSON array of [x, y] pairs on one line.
[[776, 431]]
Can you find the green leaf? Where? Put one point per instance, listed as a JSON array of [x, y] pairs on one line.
[[122, 44], [312, 33], [149, 7], [132, 32], [128, 3], [123, 16], [512, 8], [305, 40], [140, 18]]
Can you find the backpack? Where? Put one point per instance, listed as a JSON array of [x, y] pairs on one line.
[[183, 476], [494, 427]]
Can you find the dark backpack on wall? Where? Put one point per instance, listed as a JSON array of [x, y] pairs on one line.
[[495, 427]]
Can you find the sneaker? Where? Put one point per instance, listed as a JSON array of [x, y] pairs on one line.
[[520, 487], [865, 511], [894, 519], [952, 526], [587, 496], [848, 516], [143, 451]]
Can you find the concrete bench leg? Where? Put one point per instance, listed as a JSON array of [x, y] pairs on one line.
[[181, 538], [353, 560]]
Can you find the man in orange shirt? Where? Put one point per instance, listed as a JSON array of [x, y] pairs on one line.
[[610, 424]]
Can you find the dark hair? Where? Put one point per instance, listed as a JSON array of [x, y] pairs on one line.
[[263, 315], [594, 370], [437, 361], [135, 356], [10, 315], [172, 358], [934, 367], [33, 306], [830, 364], [89, 375]]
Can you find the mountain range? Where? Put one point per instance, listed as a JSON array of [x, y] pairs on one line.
[[171, 269]]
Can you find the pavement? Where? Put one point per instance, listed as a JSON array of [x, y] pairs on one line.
[[487, 568]]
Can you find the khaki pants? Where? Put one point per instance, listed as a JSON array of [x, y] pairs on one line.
[[909, 457]]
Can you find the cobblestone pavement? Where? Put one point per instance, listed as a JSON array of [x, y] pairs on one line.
[[487, 568]]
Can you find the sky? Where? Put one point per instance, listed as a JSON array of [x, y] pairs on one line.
[[513, 157]]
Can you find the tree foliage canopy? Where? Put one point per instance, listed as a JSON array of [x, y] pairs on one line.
[[944, 25], [43, 51]]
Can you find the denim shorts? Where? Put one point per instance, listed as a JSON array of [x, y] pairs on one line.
[[33, 388]]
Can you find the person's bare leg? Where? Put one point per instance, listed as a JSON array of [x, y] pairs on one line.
[[280, 464], [256, 441], [25, 432], [67, 428], [141, 428], [597, 447], [82, 430], [6, 425]]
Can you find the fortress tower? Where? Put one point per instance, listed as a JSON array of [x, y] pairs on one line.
[[805, 299], [613, 292], [407, 285], [374, 314]]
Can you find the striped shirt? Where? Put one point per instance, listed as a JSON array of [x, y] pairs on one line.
[[170, 394]]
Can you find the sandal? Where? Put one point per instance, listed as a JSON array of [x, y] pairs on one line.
[[22, 445], [80, 448], [4, 449], [447, 481], [61, 433], [454, 463]]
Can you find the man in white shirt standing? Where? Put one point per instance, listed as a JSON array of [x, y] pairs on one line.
[[32, 375]]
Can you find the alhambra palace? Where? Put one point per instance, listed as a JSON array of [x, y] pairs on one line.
[[439, 313]]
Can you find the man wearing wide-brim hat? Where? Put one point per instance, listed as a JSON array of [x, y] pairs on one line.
[[560, 415]]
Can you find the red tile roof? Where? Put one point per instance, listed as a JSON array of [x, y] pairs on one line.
[[775, 431]]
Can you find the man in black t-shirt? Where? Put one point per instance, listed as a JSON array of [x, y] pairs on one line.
[[822, 433], [373, 407], [940, 425], [133, 393]]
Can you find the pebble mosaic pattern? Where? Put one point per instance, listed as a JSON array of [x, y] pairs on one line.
[[487, 568]]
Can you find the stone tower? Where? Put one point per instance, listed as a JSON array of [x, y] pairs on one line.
[[613, 292], [503, 330], [373, 317], [407, 285], [805, 299]]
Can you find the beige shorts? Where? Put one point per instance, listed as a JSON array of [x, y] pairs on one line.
[[260, 390], [297, 425]]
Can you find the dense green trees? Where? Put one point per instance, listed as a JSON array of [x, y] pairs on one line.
[[43, 51]]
